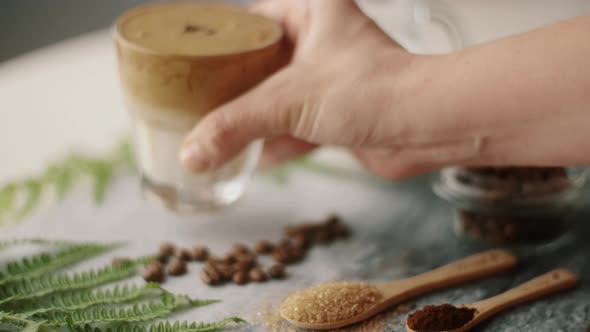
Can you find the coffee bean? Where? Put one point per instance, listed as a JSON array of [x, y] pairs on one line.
[[225, 270], [264, 247], [324, 236], [285, 243], [301, 241], [183, 255], [277, 271], [240, 248], [167, 249], [332, 221], [257, 275], [245, 262], [200, 253], [241, 277], [296, 254], [229, 258], [210, 275], [154, 272], [209, 278], [177, 268], [120, 261], [281, 255], [341, 230], [157, 265], [307, 229], [162, 258]]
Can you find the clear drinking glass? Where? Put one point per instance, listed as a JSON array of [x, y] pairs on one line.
[[178, 62]]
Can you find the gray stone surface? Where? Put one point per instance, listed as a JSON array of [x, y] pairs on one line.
[[400, 229]]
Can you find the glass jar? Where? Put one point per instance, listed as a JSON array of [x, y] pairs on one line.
[[513, 206]]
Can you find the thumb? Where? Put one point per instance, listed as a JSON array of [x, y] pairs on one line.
[[262, 112]]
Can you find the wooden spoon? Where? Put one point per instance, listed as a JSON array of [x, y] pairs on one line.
[[548, 283], [473, 267]]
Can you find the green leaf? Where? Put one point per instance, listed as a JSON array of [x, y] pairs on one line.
[[40, 286], [7, 194], [33, 190], [62, 176], [136, 313], [30, 267], [164, 327], [82, 299], [102, 175], [22, 323]]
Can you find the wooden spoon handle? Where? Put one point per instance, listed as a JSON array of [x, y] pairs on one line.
[[469, 268], [550, 282]]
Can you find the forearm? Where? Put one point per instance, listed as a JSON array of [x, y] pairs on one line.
[[524, 100]]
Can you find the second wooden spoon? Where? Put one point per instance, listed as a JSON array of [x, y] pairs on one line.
[[473, 267]]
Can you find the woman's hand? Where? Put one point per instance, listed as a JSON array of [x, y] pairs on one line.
[[340, 88], [518, 101]]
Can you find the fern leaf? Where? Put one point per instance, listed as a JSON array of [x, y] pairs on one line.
[[33, 189], [62, 177], [136, 313], [36, 287], [82, 299], [23, 324], [30, 267], [44, 242], [164, 327], [102, 174]]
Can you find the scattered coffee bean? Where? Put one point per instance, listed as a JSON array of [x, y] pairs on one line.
[[229, 258], [296, 254], [281, 255], [341, 230], [162, 258], [200, 253], [301, 241], [183, 255], [120, 261], [277, 271], [241, 277], [154, 272], [324, 236], [225, 270], [245, 262], [240, 248], [264, 247], [257, 275], [177, 268], [157, 265], [167, 249], [240, 265], [210, 275]]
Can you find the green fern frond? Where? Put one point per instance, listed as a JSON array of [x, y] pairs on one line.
[[19, 198], [82, 299], [32, 188], [30, 267], [165, 327], [23, 324], [136, 313], [40, 286]]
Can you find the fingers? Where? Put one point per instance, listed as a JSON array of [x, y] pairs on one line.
[[264, 112], [280, 149]]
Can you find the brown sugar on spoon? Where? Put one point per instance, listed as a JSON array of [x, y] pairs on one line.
[[443, 317], [330, 302]]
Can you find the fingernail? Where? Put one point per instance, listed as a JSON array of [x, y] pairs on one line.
[[192, 158]]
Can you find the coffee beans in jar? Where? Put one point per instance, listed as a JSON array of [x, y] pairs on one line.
[[512, 205]]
